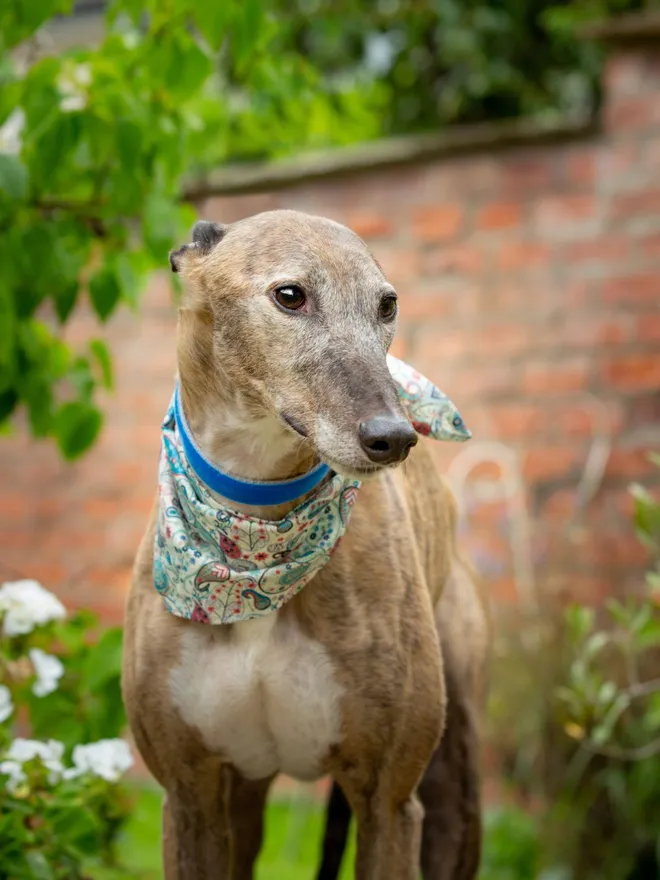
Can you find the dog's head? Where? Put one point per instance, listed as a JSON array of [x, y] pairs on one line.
[[292, 313]]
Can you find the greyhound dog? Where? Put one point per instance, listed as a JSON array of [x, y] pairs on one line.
[[357, 654]]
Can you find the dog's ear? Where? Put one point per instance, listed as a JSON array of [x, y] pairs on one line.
[[205, 236]]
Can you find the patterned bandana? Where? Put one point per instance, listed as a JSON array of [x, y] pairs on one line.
[[215, 565]]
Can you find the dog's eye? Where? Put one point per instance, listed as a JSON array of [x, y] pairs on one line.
[[290, 297], [387, 309]]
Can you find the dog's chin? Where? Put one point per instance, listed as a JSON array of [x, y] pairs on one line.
[[353, 471]]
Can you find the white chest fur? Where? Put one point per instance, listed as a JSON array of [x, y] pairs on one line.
[[263, 696]]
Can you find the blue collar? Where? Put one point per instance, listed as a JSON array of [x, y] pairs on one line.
[[235, 489]]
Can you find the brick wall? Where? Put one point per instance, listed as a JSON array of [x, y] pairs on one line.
[[529, 280]]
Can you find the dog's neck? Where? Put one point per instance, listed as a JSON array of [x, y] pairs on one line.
[[246, 444]]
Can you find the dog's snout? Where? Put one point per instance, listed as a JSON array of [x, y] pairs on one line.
[[387, 439]]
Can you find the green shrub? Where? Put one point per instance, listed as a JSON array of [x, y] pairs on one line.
[[60, 804], [576, 715]]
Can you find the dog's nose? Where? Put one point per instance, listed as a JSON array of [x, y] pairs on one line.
[[387, 439]]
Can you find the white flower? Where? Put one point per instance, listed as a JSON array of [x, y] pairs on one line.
[[11, 131], [6, 705], [48, 670], [107, 758], [23, 750], [15, 773], [72, 84], [27, 604]]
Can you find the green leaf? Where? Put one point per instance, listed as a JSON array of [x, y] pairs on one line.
[[78, 826], [100, 351], [104, 659], [8, 402], [13, 178], [621, 614], [246, 30], [603, 731], [133, 269], [7, 332], [162, 224], [65, 297], [580, 621], [191, 65], [129, 143], [595, 643], [51, 150], [77, 425], [213, 22], [104, 291], [39, 867], [648, 635]]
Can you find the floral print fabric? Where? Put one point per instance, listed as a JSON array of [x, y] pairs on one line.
[[215, 565]]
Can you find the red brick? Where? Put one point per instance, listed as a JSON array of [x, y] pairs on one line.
[[548, 463], [16, 505], [476, 176], [399, 265], [51, 574], [111, 577], [581, 167], [651, 154], [104, 508], [555, 210], [633, 372], [229, 209], [453, 260], [439, 223], [523, 175], [513, 421], [128, 472], [651, 246], [604, 249], [423, 304], [616, 163], [636, 204], [648, 328], [586, 590], [370, 225], [504, 590], [522, 255], [555, 378], [399, 348], [503, 339], [619, 548], [49, 508], [639, 288], [631, 114], [463, 383], [437, 346], [586, 330], [624, 73], [485, 471], [499, 215], [560, 506], [630, 464]]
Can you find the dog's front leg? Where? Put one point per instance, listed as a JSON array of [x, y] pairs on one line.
[[382, 792], [389, 837], [213, 826]]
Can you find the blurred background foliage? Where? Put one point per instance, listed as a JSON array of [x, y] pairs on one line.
[[575, 717], [96, 141]]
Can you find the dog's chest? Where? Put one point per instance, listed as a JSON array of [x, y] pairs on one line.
[[264, 696]]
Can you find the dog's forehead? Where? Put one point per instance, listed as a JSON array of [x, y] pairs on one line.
[[299, 246]]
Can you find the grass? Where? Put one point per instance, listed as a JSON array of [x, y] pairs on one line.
[[290, 852]]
